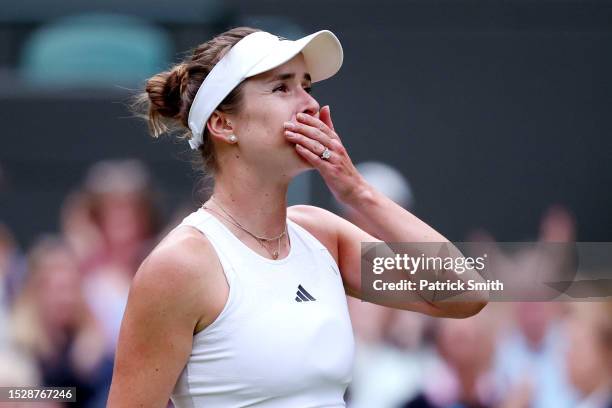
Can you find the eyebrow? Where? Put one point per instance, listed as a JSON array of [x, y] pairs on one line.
[[289, 75]]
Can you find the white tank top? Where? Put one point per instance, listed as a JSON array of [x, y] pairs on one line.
[[284, 337]]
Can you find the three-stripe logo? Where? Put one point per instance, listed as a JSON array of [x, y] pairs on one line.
[[303, 295]]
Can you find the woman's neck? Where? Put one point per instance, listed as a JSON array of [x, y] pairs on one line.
[[258, 205]]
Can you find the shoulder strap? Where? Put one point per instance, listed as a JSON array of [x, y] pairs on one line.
[[201, 220]]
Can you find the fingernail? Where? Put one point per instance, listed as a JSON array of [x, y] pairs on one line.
[[301, 116], [289, 134], [288, 125]]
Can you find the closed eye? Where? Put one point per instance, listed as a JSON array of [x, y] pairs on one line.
[[284, 88]]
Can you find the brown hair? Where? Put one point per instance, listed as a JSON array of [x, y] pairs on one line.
[[168, 95]]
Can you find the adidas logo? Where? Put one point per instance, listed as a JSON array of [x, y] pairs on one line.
[[303, 295]]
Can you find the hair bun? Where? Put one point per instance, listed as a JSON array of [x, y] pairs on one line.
[[165, 91]]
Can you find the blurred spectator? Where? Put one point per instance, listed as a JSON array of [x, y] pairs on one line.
[[589, 357], [529, 361], [105, 286], [122, 207], [54, 324], [461, 376], [112, 225], [16, 369], [78, 227], [529, 365], [557, 225], [539, 271]]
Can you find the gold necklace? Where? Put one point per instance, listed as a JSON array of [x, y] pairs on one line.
[[259, 239]]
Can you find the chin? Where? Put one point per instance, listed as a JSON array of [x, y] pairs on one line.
[[302, 162], [296, 164]]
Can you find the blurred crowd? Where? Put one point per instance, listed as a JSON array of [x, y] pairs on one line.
[[62, 301], [510, 355]]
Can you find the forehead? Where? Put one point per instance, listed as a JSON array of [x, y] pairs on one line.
[[296, 65]]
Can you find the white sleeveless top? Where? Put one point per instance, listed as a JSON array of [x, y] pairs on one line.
[[283, 339]]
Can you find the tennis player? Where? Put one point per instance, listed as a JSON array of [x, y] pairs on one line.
[[243, 303]]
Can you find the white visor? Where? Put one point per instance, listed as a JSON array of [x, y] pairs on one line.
[[256, 53]]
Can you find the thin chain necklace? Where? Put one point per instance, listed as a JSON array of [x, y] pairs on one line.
[[259, 239]]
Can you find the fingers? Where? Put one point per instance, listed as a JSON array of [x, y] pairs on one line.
[[312, 135], [307, 143], [314, 159], [307, 131], [310, 143], [325, 117], [318, 124]]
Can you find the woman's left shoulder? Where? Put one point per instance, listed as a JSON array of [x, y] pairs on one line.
[[322, 224], [313, 217]]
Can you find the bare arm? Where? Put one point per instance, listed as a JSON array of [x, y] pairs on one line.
[[348, 238], [157, 330]]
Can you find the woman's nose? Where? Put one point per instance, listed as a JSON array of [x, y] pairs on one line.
[[311, 106]]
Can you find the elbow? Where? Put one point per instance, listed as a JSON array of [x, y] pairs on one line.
[[471, 309], [460, 310]]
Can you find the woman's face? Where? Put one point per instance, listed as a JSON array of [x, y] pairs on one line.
[[58, 290], [269, 100]]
